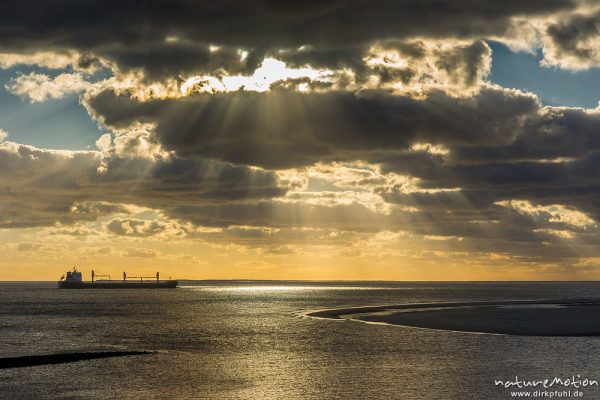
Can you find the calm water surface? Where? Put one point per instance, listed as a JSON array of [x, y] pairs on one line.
[[250, 340]]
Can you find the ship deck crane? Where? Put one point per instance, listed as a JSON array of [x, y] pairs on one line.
[[95, 275], [141, 278]]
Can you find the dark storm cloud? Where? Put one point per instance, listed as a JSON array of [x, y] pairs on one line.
[[436, 173], [287, 129], [557, 132], [39, 187], [134, 35], [164, 60], [552, 158], [575, 183]]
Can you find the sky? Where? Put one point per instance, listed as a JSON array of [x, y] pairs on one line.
[[381, 140]]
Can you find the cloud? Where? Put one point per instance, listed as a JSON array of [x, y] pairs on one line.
[[192, 37], [417, 66], [28, 246], [439, 165], [41, 187], [286, 129], [326, 124], [554, 214], [39, 87], [573, 42], [498, 229], [104, 143], [140, 228], [141, 252], [280, 214], [553, 133], [39, 57], [571, 183], [482, 216]]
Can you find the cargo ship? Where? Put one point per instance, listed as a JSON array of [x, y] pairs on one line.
[[74, 280]]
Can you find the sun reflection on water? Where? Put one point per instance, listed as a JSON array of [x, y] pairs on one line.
[[282, 288]]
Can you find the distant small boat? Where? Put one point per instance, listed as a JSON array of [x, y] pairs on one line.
[[74, 280]]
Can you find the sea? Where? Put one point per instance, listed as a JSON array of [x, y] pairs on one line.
[[253, 340]]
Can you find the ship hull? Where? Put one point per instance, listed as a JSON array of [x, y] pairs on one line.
[[118, 285]]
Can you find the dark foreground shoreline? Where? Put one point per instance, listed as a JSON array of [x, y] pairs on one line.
[[30, 361], [568, 317]]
